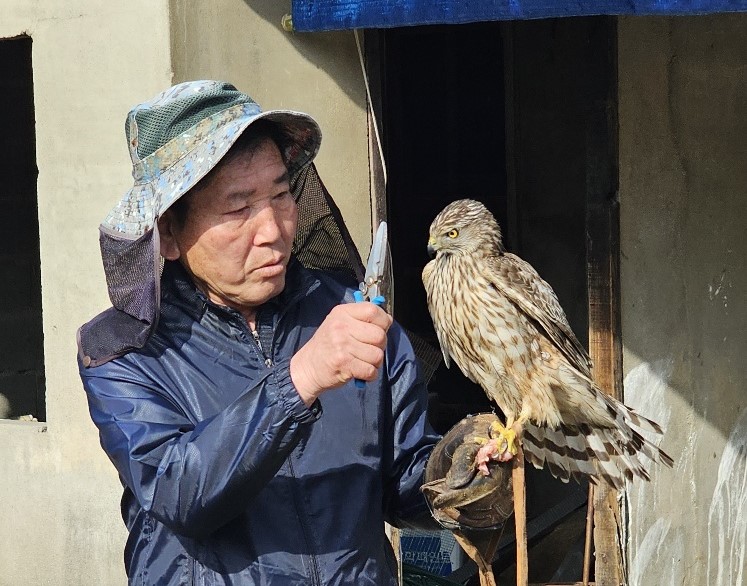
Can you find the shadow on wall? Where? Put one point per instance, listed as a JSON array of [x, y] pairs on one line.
[[330, 51], [685, 258]]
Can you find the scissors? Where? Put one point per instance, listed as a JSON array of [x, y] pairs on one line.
[[370, 288]]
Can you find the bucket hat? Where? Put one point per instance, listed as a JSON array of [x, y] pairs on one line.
[[174, 140], [181, 134]]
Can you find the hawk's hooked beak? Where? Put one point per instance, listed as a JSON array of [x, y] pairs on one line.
[[432, 247]]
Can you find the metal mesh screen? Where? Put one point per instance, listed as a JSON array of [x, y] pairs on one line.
[[322, 240]]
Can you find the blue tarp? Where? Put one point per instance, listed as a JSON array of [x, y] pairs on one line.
[[317, 15]]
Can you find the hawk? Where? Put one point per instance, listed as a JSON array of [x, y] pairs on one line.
[[505, 329]]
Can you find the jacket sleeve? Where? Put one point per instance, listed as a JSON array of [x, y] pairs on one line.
[[195, 478], [411, 435]]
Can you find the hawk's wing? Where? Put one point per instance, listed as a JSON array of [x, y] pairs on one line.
[[522, 285]]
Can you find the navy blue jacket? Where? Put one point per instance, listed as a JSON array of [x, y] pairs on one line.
[[228, 477]]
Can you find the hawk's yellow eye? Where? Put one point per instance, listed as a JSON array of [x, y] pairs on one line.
[[453, 233]]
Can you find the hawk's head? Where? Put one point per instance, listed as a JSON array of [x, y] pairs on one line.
[[464, 227]]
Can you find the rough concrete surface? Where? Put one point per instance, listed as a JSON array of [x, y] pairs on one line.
[[683, 198]]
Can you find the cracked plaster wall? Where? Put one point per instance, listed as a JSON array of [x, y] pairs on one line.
[[683, 198]]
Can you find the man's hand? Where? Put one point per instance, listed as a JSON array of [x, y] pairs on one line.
[[349, 344]]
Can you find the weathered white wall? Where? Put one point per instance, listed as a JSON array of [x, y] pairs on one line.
[[683, 194], [92, 61], [241, 41], [59, 495]]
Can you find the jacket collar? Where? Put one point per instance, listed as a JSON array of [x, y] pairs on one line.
[[179, 288]]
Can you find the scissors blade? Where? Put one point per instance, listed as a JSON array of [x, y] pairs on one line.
[[371, 286]]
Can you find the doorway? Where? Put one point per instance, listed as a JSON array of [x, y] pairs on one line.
[[520, 116]]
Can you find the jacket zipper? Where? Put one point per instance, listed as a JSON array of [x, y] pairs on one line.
[[315, 577], [315, 574], [267, 359]]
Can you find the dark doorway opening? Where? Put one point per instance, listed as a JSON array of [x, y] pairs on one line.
[[516, 115], [444, 140], [22, 379]]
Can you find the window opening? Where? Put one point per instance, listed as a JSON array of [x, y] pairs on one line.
[[22, 382]]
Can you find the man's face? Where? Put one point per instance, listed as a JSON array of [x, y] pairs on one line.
[[237, 237]]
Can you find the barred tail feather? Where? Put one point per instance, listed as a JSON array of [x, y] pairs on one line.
[[630, 424], [610, 454], [624, 414], [564, 455]]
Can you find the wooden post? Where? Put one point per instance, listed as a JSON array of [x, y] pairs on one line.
[[589, 536], [604, 347], [605, 350], [484, 568], [603, 280], [520, 518]]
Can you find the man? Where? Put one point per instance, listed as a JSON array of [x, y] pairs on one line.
[[222, 385]]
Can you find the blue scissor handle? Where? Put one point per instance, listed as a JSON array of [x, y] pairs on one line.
[[378, 300]]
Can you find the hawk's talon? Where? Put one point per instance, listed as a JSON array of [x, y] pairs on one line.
[[508, 434], [502, 446]]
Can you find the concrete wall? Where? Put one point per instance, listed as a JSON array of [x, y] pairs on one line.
[[683, 194], [59, 495], [242, 41]]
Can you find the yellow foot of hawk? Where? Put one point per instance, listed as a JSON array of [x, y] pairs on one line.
[[501, 446]]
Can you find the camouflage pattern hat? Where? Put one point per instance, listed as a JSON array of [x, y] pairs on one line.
[[181, 134]]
